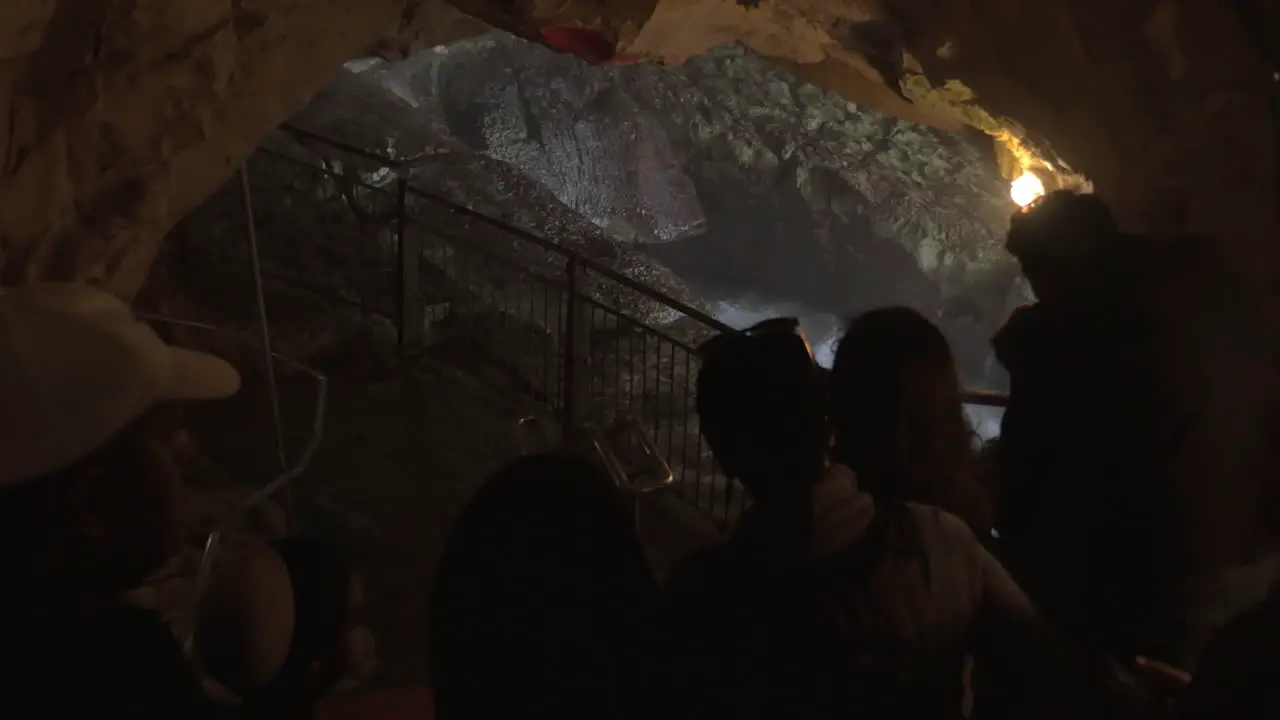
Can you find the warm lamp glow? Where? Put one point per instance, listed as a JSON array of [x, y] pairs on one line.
[[1026, 189]]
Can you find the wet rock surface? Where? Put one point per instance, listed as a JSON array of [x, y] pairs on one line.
[[750, 167], [121, 119], [722, 179]]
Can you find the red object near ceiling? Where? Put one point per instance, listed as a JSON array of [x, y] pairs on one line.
[[590, 45]]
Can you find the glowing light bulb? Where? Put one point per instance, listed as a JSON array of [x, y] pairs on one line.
[[1026, 189]]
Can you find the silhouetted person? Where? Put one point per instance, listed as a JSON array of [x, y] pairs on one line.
[[904, 448], [762, 407], [746, 639], [544, 605], [898, 419], [87, 503], [1133, 449], [826, 603]]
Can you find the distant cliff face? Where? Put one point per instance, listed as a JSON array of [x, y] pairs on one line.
[[733, 173], [748, 178]]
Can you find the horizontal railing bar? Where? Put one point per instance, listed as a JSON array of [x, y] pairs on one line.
[[473, 249], [344, 147], [985, 398], [489, 255], [583, 262], [355, 182], [642, 326]]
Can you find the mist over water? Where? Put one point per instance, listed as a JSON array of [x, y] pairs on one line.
[[823, 331], [984, 420]]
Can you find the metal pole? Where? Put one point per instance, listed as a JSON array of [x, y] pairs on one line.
[[409, 253], [264, 331], [567, 338], [402, 256]]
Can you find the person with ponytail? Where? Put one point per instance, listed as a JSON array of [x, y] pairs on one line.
[[899, 419], [899, 517]]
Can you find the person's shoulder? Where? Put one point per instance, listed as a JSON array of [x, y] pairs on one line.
[[943, 532], [1024, 325], [944, 522], [1023, 316]]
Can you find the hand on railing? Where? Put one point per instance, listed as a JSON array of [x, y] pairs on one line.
[[637, 457], [624, 450]]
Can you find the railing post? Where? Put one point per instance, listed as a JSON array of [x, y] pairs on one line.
[[576, 382], [409, 253], [567, 332], [264, 336]]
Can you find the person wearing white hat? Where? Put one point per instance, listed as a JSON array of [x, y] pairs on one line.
[[87, 488]]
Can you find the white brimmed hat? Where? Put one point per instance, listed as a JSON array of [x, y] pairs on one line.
[[76, 368]]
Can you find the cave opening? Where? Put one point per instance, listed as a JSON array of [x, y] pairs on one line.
[[725, 180], [757, 193]]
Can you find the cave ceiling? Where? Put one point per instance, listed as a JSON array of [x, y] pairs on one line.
[[121, 116]]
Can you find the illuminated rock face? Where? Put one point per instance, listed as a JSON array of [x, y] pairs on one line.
[[1162, 104], [118, 117], [730, 169], [573, 127], [746, 181]]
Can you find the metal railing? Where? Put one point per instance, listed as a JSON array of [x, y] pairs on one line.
[[577, 336]]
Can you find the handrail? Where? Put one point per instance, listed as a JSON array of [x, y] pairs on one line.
[[344, 147], [526, 235], [510, 264], [582, 261], [984, 398], [659, 472]]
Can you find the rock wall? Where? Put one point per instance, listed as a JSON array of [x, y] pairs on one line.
[[738, 175], [570, 126], [1162, 104], [116, 118], [327, 218], [120, 116]]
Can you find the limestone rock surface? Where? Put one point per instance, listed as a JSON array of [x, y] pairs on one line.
[[327, 216], [734, 172], [118, 117]]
